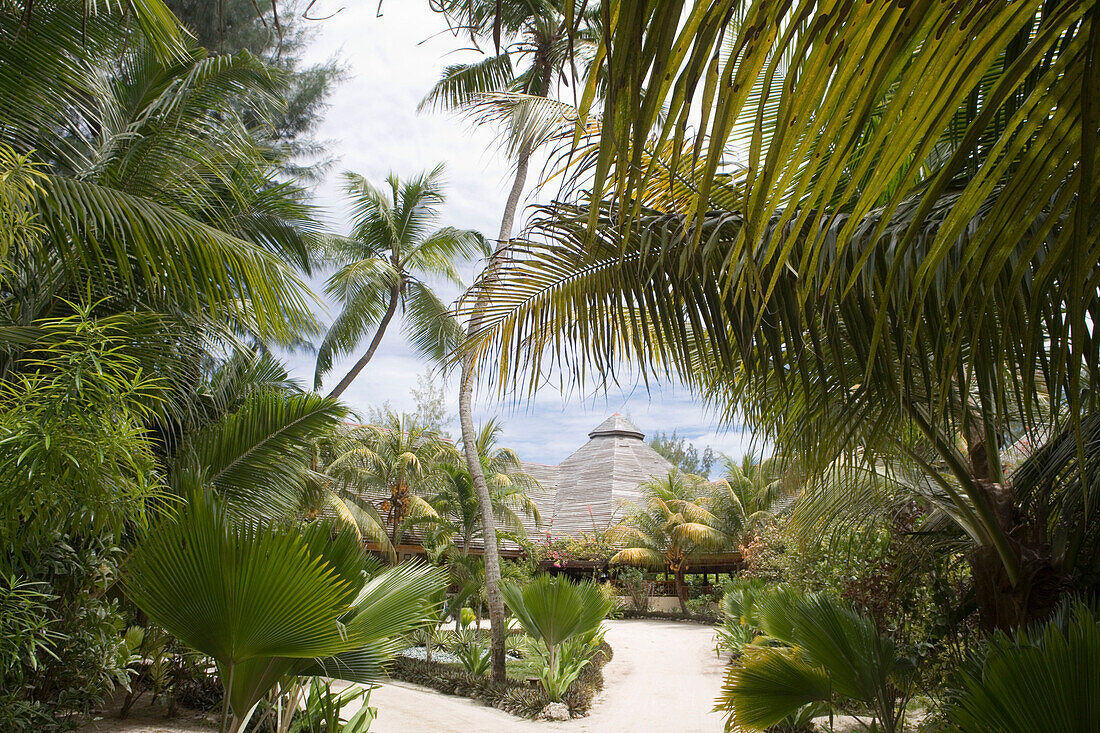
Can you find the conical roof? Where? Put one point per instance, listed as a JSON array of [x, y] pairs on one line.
[[617, 426], [593, 487]]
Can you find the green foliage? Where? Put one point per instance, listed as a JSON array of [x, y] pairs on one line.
[[155, 193], [25, 639], [403, 462], [241, 25], [79, 656], [75, 458], [634, 582], [323, 711], [306, 606], [563, 617], [388, 260], [456, 501], [596, 545], [683, 454], [514, 696], [1044, 678], [553, 609], [822, 651], [471, 652], [258, 457], [559, 670]]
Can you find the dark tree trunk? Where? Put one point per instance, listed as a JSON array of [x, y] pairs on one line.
[[1002, 603], [679, 576]]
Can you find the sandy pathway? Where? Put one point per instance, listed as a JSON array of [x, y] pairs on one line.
[[664, 676]]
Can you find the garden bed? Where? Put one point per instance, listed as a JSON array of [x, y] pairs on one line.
[[524, 698]]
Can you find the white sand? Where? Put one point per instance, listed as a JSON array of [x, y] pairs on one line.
[[664, 676]]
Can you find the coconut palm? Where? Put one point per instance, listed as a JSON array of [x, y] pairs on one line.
[[535, 34], [153, 193], [267, 601], [671, 528], [384, 264], [456, 500], [861, 291], [398, 463], [751, 492]]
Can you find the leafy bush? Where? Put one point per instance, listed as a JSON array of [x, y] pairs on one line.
[[323, 710], [472, 654], [25, 640], [633, 581], [308, 607], [821, 651], [515, 696], [554, 611], [63, 650]]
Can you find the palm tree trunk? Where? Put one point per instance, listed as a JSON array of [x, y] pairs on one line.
[[469, 434], [679, 576], [338, 390]]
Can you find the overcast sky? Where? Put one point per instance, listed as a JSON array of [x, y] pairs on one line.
[[374, 128]]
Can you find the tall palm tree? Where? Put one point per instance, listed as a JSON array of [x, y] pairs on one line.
[[457, 504], [538, 29], [385, 263], [403, 462], [861, 275], [670, 529]]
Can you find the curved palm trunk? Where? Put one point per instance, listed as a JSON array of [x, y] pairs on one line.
[[338, 390], [469, 435]]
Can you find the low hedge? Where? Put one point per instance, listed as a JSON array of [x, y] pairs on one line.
[[700, 618], [522, 698]]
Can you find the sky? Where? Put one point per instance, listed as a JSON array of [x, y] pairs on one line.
[[372, 127]]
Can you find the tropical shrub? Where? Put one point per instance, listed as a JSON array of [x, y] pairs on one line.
[[471, 653], [85, 656], [820, 651], [307, 606], [514, 696], [633, 581], [323, 710], [554, 611], [558, 671], [1046, 678], [25, 639]]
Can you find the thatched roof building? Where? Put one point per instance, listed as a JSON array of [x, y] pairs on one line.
[[588, 491]]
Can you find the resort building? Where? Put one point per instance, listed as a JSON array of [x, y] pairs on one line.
[[591, 489]]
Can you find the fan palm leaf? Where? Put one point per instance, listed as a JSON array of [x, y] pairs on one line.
[[265, 601]]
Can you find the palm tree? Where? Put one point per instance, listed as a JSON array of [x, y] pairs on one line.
[[819, 650], [541, 40], [152, 193], [267, 601], [384, 265], [554, 611], [456, 500], [671, 528], [403, 462], [752, 492]]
